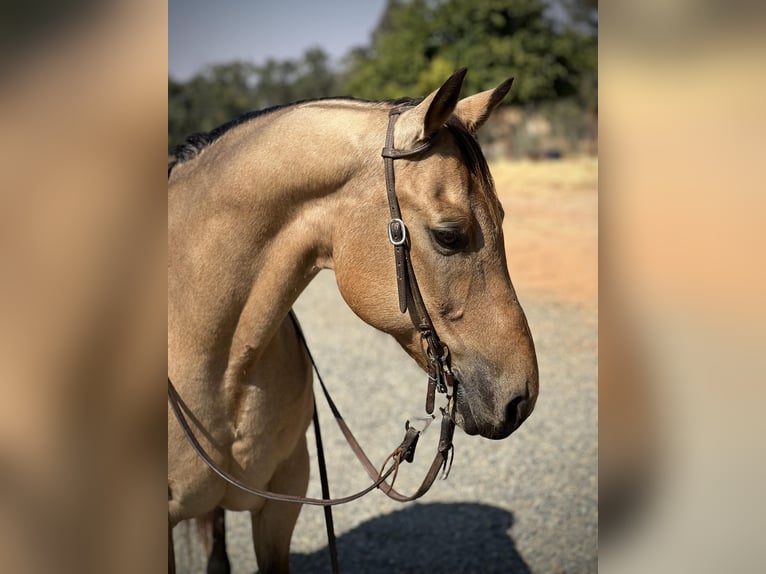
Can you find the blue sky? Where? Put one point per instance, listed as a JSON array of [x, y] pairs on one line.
[[202, 32]]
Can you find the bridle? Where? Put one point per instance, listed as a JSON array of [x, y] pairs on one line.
[[440, 377]]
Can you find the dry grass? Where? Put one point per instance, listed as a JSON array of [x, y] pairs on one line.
[[551, 227], [577, 174]]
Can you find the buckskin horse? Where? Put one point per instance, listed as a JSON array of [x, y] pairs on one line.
[[256, 208]]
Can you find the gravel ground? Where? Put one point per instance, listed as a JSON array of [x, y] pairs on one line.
[[524, 504]]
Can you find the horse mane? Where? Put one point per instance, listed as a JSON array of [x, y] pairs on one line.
[[466, 142], [196, 142]]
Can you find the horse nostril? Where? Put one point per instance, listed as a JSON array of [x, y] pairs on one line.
[[514, 411]]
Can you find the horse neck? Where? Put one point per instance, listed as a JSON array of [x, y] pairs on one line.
[[251, 222]]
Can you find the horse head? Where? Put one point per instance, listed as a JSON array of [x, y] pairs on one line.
[[454, 226]]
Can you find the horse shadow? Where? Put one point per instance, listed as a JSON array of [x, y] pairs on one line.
[[439, 537]]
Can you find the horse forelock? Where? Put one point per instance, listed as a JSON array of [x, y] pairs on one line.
[[476, 163]]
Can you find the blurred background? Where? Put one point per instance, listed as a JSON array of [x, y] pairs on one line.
[[85, 105]]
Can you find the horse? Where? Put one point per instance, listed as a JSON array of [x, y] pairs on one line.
[[256, 208]]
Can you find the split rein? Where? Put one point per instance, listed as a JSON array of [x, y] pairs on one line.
[[404, 452], [440, 376]]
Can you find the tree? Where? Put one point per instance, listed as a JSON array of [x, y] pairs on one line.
[[225, 91], [583, 14], [209, 99], [315, 78], [419, 43]]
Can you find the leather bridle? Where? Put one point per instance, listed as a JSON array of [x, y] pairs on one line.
[[440, 376]]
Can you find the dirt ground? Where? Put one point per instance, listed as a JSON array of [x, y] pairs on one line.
[[551, 228]]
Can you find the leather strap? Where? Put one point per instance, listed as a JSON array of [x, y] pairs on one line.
[[332, 546], [440, 376], [174, 399], [397, 232], [404, 451], [407, 447]]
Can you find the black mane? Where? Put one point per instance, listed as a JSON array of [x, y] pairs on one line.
[[196, 142]]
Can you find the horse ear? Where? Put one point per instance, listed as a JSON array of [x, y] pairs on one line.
[[474, 110], [425, 119]]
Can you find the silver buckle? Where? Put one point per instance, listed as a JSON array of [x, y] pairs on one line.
[[397, 242]]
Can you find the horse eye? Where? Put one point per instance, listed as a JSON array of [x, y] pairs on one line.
[[451, 239]]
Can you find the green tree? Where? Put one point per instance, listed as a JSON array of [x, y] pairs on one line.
[[583, 14], [223, 92], [418, 43], [216, 95], [315, 79]]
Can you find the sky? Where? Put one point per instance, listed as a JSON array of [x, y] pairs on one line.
[[202, 32]]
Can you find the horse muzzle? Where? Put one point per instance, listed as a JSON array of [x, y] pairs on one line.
[[477, 413]]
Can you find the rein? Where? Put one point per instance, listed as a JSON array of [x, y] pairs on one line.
[[404, 452], [440, 377]]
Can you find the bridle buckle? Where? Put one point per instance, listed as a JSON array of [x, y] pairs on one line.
[[396, 227]]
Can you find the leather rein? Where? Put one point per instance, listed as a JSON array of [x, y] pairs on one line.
[[440, 376]]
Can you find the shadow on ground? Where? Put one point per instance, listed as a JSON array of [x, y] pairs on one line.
[[460, 538]]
